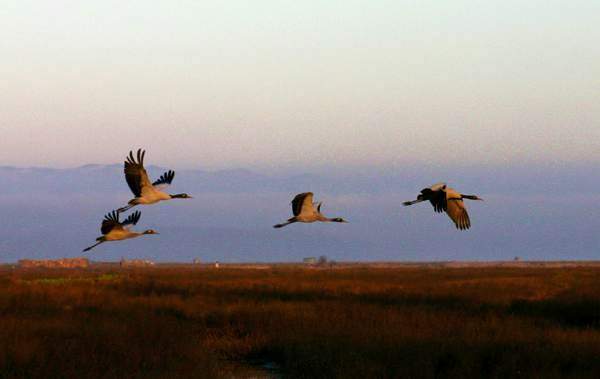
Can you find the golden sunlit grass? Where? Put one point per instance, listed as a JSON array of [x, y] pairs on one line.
[[351, 322]]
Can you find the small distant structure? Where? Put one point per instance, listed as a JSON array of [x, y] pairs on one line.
[[517, 259], [196, 261], [55, 263], [136, 263], [309, 260], [217, 264]]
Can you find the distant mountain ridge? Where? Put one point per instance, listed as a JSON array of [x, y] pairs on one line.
[[109, 178]]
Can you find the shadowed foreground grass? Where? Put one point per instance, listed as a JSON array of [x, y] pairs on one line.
[[351, 322]]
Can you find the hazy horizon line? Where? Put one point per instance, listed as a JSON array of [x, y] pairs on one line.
[[320, 168]]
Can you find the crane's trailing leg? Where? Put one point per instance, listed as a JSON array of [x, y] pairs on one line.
[[93, 246], [290, 221], [126, 208]]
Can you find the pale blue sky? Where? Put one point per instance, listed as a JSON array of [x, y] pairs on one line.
[[285, 83]]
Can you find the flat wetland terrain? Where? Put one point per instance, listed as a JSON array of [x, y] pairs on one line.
[[349, 321]]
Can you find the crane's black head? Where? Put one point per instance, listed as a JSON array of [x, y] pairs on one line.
[[181, 196], [338, 219], [150, 231]]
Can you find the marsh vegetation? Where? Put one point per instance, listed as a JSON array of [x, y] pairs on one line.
[[185, 321]]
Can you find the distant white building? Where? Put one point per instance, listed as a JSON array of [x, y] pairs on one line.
[[309, 260], [136, 263]]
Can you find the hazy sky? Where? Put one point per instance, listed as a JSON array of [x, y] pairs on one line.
[[299, 83], [547, 214]]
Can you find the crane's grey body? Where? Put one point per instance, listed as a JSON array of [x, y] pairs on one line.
[[306, 211], [446, 199], [144, 191], [114, 230]]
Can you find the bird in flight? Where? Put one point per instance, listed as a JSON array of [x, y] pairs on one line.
[[306, 211], [144, 191], [114, 230], [446, 199]]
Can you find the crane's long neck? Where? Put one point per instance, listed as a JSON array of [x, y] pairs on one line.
[[127, 235], [407, 203], [321, 217], [331, 219]]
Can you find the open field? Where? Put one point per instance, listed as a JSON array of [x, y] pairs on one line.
[[380, 320]]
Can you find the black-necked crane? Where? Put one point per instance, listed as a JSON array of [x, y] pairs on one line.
[[446, 199], [114, 230], [144, 191], [306, 211]]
